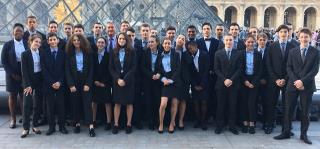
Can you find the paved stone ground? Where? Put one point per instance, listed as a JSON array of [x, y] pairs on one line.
[[146, 139]]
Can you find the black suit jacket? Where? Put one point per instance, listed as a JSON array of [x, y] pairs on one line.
[[53, 70], [8, 58], [227, 69], [101, 71], [200, 78], [276, 63], [257, 64], [27, 67], [304, 71], [129, 67], [146, 63], [264, 70], [93, 45], [61, 45], [26, 35], [175, 67], [71, 69], [214, 45], [240, 45]]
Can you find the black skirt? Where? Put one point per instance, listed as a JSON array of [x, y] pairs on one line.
[[102, 94], [172, 90], [12, 85], [184, 92]]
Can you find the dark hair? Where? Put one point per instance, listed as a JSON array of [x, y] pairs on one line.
[[127, 47], [170, 28], [79, 26], [53, 22], [18, 25], [131, 29], [207, 23], [32, 38], [282, 26], [249, 36], [84, 44], [31, 17], [51, 35], [288, 24], [125, 21], [192, 43], [144, 25], [306, 31], [157, 38], [166, 38], [68, 23], [97, 23], [262, 35], [234, 24], [220, 24], [105, 40], [192, 26]]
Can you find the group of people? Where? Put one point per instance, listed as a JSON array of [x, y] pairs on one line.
[[135, 80]]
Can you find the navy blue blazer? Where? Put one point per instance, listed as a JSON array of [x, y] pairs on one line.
[[304, 71], [53, 70], [257, 68], [93, 45], [200, 78], [214, 45], [26, 35], [27, 68], [8, 58]]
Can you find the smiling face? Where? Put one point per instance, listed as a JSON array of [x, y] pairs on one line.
[[111, 29], [181, 40], [32, 24], [206, 31], [171, 34], [191, 33], [249, 43], [166, 45], [53, 41], [97, 29], [152, 43], [101, 43], [234, 31], [124, 27], [228, 41], [18, 33], [76, 42], [122, 40], [304, 39], [283, 34], [53, 28], [35, 44]]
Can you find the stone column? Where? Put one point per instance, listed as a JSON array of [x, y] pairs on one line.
[[260, 16], [280, 16], [240, 16], [300, 17]]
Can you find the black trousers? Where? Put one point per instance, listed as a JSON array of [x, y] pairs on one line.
[[212, 102], [226, 100], [248, 104], [139, 103], [81, 102], [270, 107], [152, 95], [263, 98], [291, 101], [32, 104], [55, 105]]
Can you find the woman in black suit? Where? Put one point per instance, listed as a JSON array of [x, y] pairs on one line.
[[32, 82], [151, 80], [250, 80], [79, 76], [170, 77], [11, 61], [102, 81], [122, 66]]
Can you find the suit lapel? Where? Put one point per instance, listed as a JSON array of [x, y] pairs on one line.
[[31, 60]]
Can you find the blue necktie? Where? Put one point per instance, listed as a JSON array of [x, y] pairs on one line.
[[283, 50], [54, 54]]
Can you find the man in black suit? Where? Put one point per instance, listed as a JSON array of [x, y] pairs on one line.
[[227, 67], [53, 28], [124, 25], [199, 70], [32, 28], [111, 36], [234, 30], [302, 67], [276, 65], [171, 34], [52, 66], [11, 61], [68, 31], [192, 33], [97, 32], [291, 35], [219, 31], [210, 45]]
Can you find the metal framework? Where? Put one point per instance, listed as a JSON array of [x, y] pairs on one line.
[[158, 13]]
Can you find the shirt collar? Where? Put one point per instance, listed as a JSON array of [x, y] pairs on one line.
[[54, 49], [197, 54], [121, 50], [32, 32], [251, 52], [230, 49], [307, 47], [285, 41], [18, 42], [236, 39], [35, 51], [101, 52]]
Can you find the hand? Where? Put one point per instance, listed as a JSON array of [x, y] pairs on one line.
[[121, 82], [263, 81], [166, 82], [86, 88], [283, 82], [156, 77], [247, 83], [73, 89], [96, 83], [278, 82], [298, 84], [56, 85], [102, 85], [27, 91], [227, 82], [301, 88]]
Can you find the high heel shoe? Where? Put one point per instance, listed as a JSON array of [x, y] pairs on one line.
[[24, 133], [36, 131], [12, 125]]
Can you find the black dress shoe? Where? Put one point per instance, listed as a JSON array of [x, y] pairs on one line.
[[63, 130], [128, 129], [218, 130], [181, 128], [204, 127], [76, 129], [234, 131], [107, 126], [268, 130], [20, 120], [50, 131], [25, 133], [36, 131], [91, 132], [244, 129], [252, 130], [291, 133], [160, 131], [305, 139], [115, 129], [282, 136]]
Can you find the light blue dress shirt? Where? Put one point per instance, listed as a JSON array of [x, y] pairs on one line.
[[121, 57], [79, 60], [196, 60], [249, 62], [154, 56]]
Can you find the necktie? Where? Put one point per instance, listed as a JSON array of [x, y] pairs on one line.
[[145, 43], [235, 44], [54, 54], [283, 50], [110, 44], [99, 58], [303, 54], [228, 54]]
